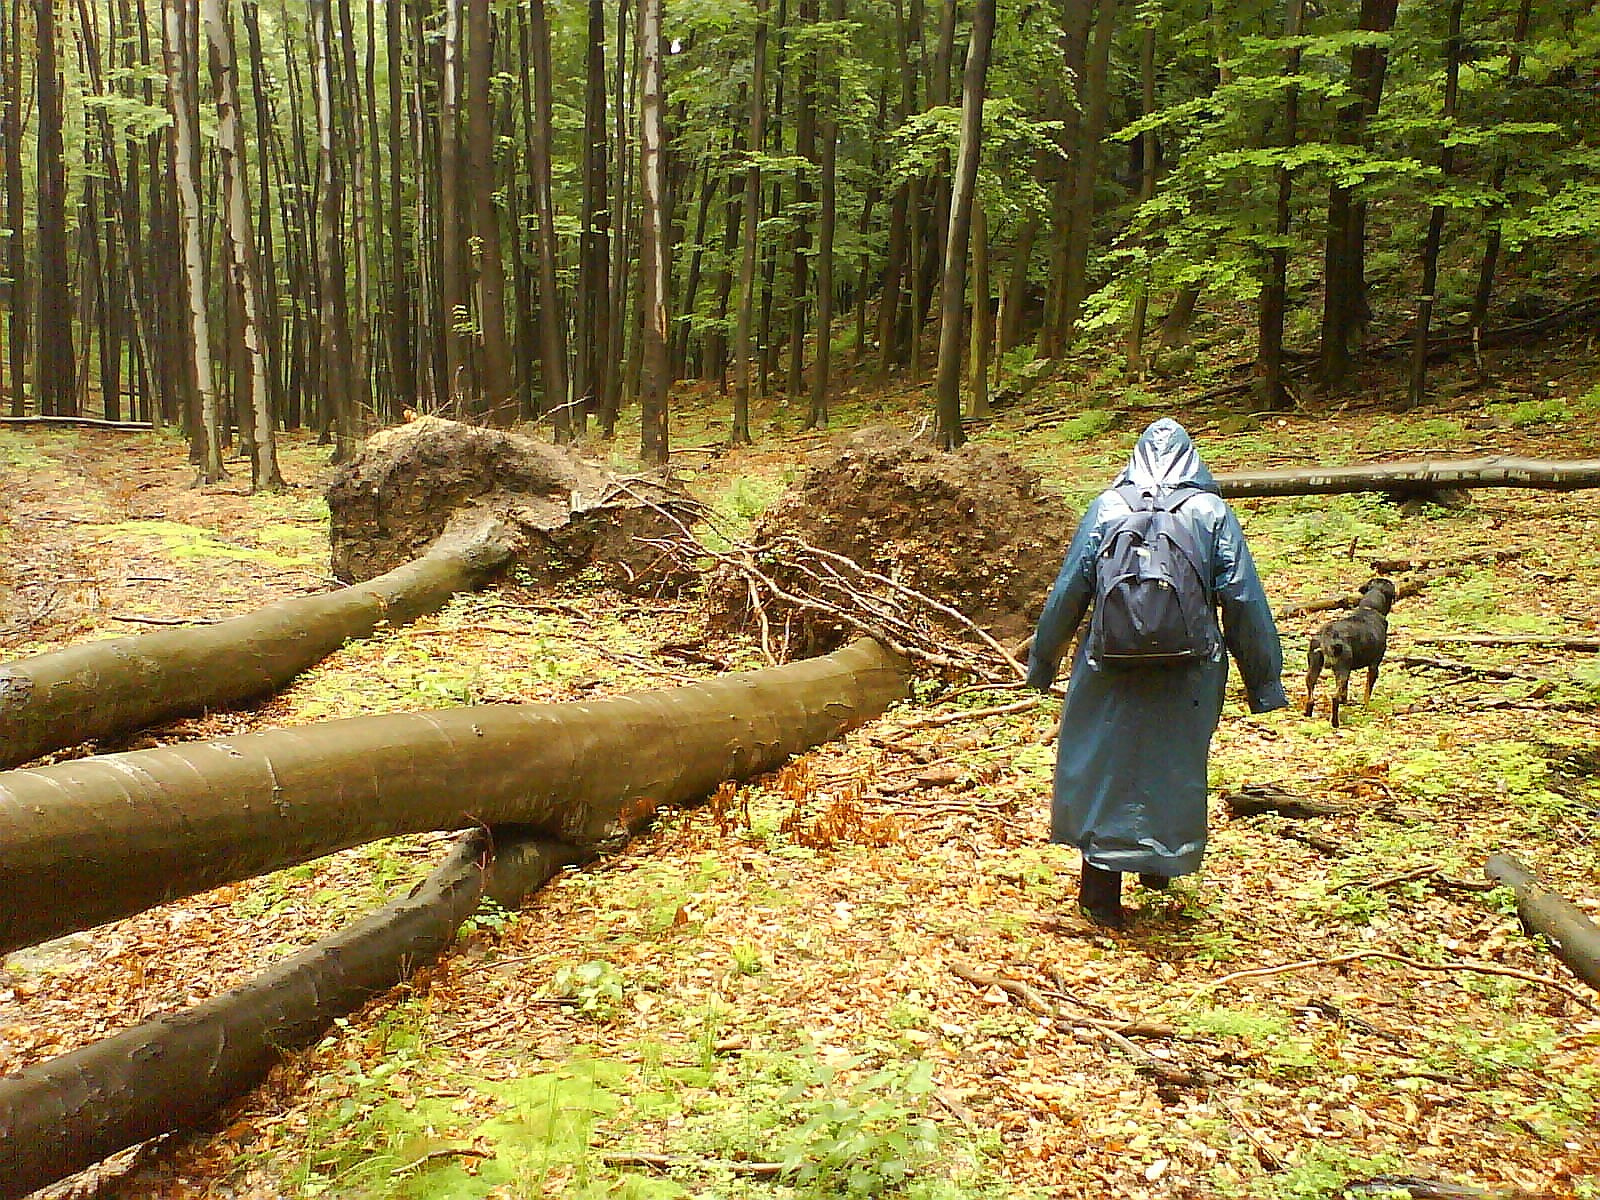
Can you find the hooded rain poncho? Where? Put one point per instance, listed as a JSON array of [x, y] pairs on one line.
[[1130, 782]]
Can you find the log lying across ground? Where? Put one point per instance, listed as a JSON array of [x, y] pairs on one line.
[[1416, 477], [1574, 937], [101, 838], [172, 1072], [109, 688]]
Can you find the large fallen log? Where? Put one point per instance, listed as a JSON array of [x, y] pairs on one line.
[[108, 688], [172, 1072], [101, 838], [1415, 477], [1573, 936]]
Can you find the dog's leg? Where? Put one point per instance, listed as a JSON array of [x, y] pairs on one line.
[[1313, 670], [1372, 678], [1341, 692]]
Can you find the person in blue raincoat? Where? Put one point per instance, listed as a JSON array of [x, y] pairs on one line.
[[1130, 781]]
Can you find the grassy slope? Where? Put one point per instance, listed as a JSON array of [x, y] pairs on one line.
[[772, 978]]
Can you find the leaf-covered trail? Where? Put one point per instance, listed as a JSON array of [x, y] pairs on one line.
[[779, 976]]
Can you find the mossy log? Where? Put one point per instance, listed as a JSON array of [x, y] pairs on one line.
[[1573, 936], [101, 838], [109, 688], [1414, 477], [174, 1071]]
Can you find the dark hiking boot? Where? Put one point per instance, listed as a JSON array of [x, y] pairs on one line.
[[1156, 883], [1100, 896]]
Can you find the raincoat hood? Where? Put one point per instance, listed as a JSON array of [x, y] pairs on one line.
[[1165, 459]]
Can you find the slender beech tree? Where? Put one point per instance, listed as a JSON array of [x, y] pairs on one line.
[[973, 87], [982, 328], [1430, 250], [179, 47], [552, 328], [402, 287], [594, 261], [744, 353], [1093, 99], [333, 277], [1271, 393], [805, 149], [452, 262], [1345, 309], [56, 384], [242, 267], [16, 261], [1147, 187], [1497, 179], [498, 390], [827, 223], [654, 367]]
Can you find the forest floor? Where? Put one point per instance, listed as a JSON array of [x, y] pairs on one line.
[[869, 966]]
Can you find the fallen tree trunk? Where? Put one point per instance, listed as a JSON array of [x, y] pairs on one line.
[[101, 838], [1575, 645], [80, 423], [108, 688], [172, 1072], [1573, 936], [1415, 477]]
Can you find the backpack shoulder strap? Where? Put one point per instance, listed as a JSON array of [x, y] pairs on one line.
[[1136, 500]]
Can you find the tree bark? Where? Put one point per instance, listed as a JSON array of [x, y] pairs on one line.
[[1271, 393], [104, 689], [402, 285], [333, 293], [744, 352], [552, 328], [174, 1071], [206, 435], [1417, 477], [594, 266], [1147, 187], [1573, 936], [1491, 246], [257, 396], [828, 219], [16, 247], [1430, 250], [99, 839], [974, 83], [56, 383], [654, 322], [1093, 99], [981, 325], [499, 394], [452, 269]]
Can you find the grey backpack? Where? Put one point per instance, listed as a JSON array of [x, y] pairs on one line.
[[1152, 599]]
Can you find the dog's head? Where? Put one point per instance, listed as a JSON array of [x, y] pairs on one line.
[[1379, 594]]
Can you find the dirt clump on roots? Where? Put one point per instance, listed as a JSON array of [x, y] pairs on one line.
[[969, 529], [389, 503]]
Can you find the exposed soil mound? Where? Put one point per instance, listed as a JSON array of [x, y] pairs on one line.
[[969, 529], [392, 501]]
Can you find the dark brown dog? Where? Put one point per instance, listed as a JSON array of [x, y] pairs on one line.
[[1350, 643]]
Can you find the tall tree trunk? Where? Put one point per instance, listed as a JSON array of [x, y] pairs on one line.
[[179, 47], [267, 270], [1430, 251], [552, 328], [402, 287], [16, 264], [56, 385], [334, 317], [973, 86], [805, 149], [1077, 21], [684, 333], [982, 329], [1272, 394], [618, 297], [257, 394], [1081, 229], [1344, 303], [744, 353], [452, 267], [499, 394], [594, 264], [828, 220], [733, 211], [654, 325], [1147, 187], [1491, 246]]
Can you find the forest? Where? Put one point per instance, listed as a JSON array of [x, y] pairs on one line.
[[523, 529]]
